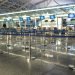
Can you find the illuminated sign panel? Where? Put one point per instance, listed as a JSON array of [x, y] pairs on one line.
[[71, 15], [28, 19], [42, 17], [20, 18], [52, 16]]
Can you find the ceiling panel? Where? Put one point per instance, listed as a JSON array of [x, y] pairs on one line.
[[17, 5]]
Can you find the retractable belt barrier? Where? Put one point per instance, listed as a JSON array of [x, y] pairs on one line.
[[33, 32]]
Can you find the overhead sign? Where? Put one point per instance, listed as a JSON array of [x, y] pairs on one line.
[[71, 15], [52, 16], [28, 19], [20, 18], [42, 17]]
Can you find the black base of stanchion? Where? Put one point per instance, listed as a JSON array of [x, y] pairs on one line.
[[71, 67]]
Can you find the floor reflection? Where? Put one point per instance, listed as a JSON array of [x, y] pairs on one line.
[[58, 50]]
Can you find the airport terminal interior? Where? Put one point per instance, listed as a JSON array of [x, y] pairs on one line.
[[37, 37]]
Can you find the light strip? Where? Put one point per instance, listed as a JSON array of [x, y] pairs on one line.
[[38, 9]]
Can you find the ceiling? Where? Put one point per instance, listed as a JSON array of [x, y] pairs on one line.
[[17, 5]]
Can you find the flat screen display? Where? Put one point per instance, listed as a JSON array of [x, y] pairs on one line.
[[20, 18], [42, 17], [28, 18], [71, 15], [52, 16]]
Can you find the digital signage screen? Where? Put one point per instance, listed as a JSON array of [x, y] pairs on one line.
[[28, 19], [20, 18], [71, 15], [42, 17], [52, 16]]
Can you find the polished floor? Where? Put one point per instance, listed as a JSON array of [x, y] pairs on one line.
[[49, 56], [14, 65]]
